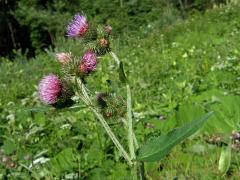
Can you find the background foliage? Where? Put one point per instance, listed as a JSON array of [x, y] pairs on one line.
[[36, 24], [181, 59]]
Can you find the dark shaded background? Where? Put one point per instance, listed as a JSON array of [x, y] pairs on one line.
[[32, 25]]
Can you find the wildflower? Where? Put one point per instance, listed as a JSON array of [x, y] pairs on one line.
[[64, 58], [88, 63], [78, 27], [50, 89]]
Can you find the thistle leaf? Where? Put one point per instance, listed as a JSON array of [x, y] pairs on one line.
[[157, 148]]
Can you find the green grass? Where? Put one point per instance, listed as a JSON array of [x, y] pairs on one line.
[[179, 72]]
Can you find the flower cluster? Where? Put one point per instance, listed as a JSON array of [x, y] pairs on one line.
[[57, 90], [52, 89]]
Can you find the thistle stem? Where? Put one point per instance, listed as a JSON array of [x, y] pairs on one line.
[[137, 167], [129, 114], [112, 136], [130, 128], [134, 136], [89, 103], [115, 57]]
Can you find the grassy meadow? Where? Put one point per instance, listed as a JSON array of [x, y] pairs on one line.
[[177, 72]]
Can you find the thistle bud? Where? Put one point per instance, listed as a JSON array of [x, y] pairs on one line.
[[103, 47], [64, 58], [104, 43], [111, 105], [108, 29]]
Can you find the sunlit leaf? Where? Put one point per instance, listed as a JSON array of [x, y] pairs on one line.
[[157, 148]]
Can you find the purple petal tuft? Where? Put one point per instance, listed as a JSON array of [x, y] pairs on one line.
[[89, 62], [78, 27], [50, 89]]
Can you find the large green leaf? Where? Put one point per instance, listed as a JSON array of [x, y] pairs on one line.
[[226, 116], [157, 148]]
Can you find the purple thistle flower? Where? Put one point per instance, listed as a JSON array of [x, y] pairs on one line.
[[50, 89], [78, 27], [88, 63]]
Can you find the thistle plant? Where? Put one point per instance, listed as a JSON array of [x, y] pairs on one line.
[[55, 90]]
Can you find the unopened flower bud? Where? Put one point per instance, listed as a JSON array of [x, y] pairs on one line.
[[104, 43], [64, 58], [111, 105], [108, 29]]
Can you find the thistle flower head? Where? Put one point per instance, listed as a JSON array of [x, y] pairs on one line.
[[78, 27], [50, 89], [88, 63], [64, 58]]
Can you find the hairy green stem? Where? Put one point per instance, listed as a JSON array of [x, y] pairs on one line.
[[134, 136], [129, 114], [130, 128], [138, 167], [115, 57], [89, 103]]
